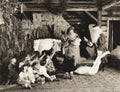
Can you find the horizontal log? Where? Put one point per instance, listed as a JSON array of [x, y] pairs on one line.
[[68, 9], [55, 2], [73, 20], [118, 5], [104, 13], [104, 18], [104, 23], [68, 6], [79, 2], [73, 23], [114, 18], [81, 9], [69, 16], [116, 12], [82, 6], [35, 6]]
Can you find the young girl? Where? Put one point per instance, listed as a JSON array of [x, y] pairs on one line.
[[92, 70], [101, 46], [73, 41], [43, 70], [24, 79], [47, 68]]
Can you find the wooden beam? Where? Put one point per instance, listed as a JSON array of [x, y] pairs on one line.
[[111, 5], [81, 2], [92, 16], [118, 5], [81, 6], [35, 9], [73, 20], [68, 2], [68, 9], [81, 9]]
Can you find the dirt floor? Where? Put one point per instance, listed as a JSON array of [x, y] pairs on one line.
[[107, 81]]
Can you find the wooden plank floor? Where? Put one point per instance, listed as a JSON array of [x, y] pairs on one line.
[[107, 81]]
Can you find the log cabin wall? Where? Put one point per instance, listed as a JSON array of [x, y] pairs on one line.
[[104, 24], [110, 12], [40, 20], [40, 23], [106, 16], [88, 5]]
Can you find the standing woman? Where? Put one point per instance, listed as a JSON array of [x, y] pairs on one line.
[[72, 47]]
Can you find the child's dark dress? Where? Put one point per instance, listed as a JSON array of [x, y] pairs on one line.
[[64, 63], [68, 64]]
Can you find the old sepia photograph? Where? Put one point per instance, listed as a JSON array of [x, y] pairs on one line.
[[59, 46]]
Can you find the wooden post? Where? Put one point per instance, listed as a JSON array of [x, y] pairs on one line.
[[99, 17], [99, 11]]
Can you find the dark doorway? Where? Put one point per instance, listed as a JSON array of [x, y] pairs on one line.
[[114, 34]]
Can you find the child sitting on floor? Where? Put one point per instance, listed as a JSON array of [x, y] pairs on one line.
[[12, 71], [49, 64], [40, 68], [24, 78], [43, 70]]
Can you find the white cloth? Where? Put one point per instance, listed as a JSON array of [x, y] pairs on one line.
[[31, 75], [1, 18], [45, 44], [43, 71], [21, 64], [83, 70], [27, 76], [95, 33], [23, 76], [94, 69], [23, 79]]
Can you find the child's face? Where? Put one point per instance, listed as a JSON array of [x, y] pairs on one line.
[[71, 31], [13, 61], [47, 59], [47, 56], [25, 69], [28, 57]]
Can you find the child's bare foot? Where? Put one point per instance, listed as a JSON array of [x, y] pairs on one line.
[[71, 74]]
